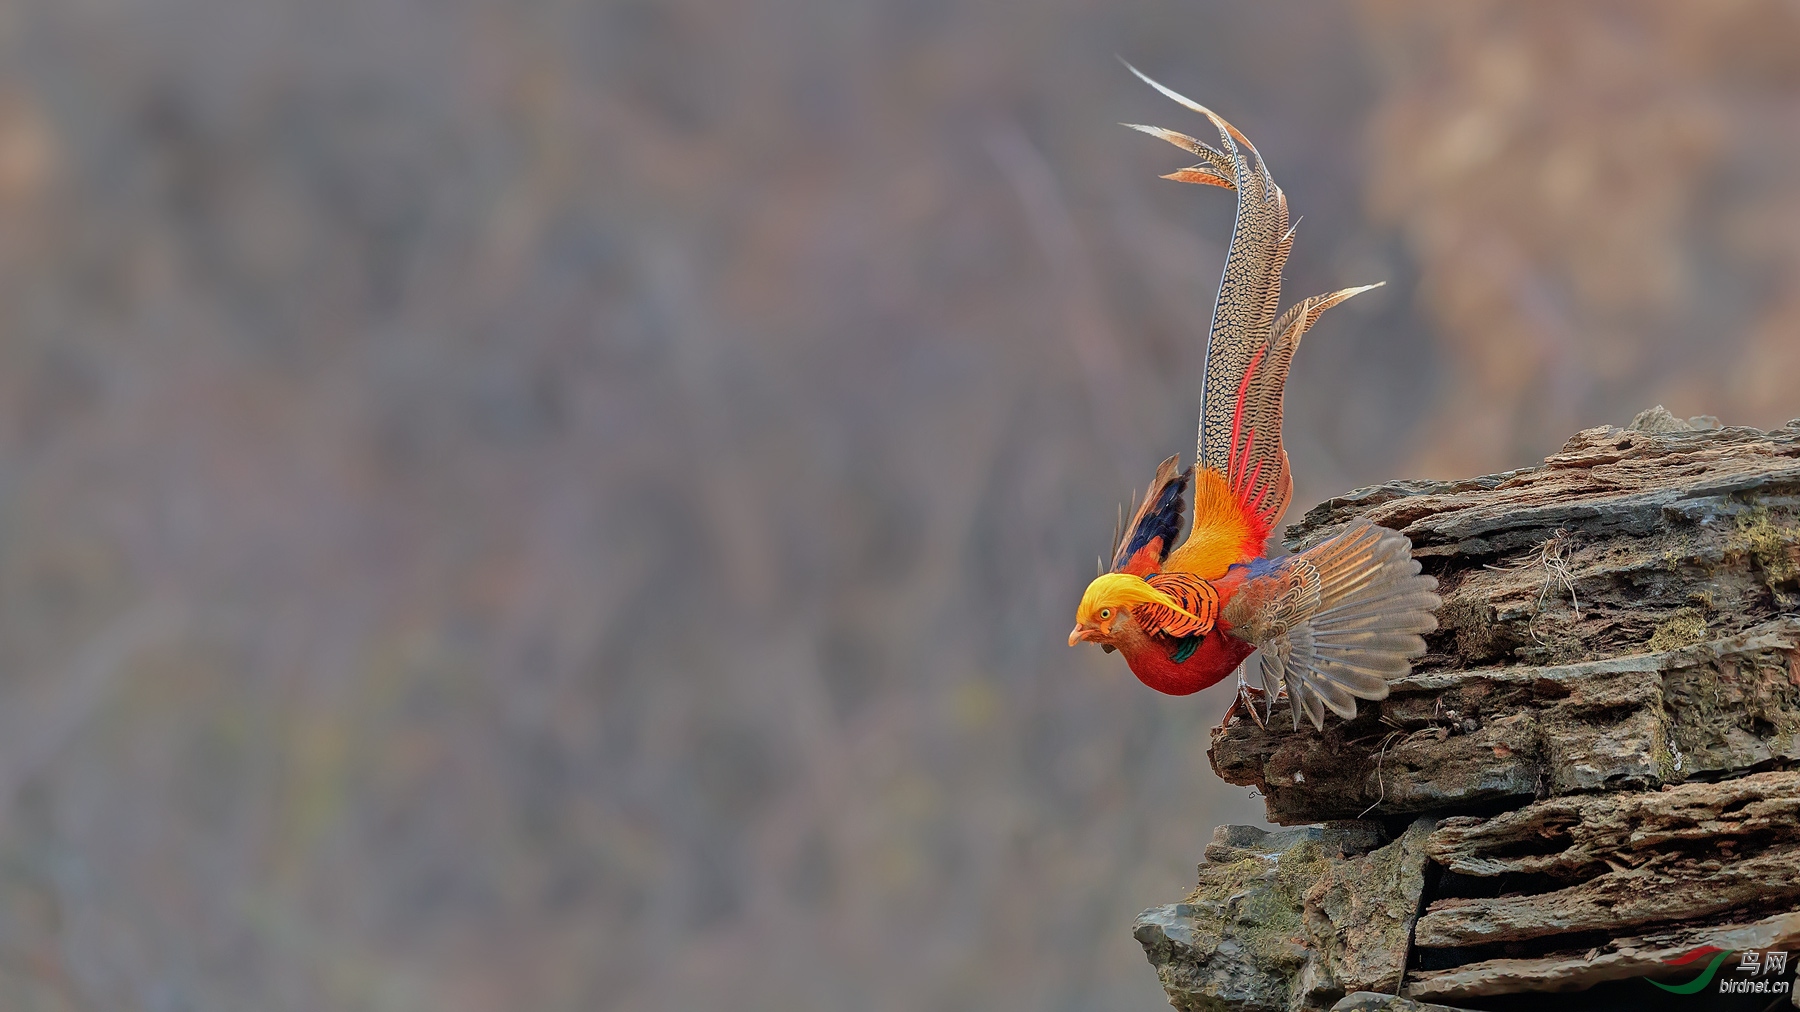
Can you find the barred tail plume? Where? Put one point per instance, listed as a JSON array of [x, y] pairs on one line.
[[1249, 348]]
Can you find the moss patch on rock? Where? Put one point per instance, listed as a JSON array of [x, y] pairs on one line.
[[1683, 628], [1773, 540]]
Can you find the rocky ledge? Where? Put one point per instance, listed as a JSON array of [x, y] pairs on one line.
[[1591, 773]]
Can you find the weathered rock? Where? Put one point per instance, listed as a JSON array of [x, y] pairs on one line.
[[1490, 737], [1586, 555], [1613, 863], [1624, 616], [1617, 959], [1575, 838], [1360, 911], [1600, 754], [1371, 1001], [1238, 943], [1291, 919]]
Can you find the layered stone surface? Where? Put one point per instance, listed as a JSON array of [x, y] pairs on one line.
[[1592, 772]]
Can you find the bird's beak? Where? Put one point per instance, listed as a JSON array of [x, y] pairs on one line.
[[1080, 633]]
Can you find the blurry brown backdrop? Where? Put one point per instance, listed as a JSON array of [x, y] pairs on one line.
[[569, 504]]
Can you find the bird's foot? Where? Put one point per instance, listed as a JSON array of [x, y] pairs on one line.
[[1246, 698]]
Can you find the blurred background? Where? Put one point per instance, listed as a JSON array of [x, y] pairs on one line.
[[577, 504]]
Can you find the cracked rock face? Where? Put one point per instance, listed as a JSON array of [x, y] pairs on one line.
[[1489, 737], [1625, 616], [1292, 919], [1648, 876], [1592, 771], [1370, 1001]]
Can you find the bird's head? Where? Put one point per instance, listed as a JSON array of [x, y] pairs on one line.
[[1105, 607]]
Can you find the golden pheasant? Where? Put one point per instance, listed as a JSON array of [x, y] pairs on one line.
[[1332, 624]]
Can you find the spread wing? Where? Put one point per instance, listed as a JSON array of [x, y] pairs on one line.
[[1337, 621], [1140, 547], [1199, 606], [1249, 349]]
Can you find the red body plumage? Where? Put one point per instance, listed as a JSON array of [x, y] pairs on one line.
[[1150, 659]]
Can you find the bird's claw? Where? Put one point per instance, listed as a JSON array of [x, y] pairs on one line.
[[1247, 697]]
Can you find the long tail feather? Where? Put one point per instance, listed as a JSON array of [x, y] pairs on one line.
[[1216, 169], [1248, 350]]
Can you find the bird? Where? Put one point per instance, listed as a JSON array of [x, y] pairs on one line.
[[1327, 626]]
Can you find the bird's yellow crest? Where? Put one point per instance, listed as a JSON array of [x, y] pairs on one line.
[[1120, 591]]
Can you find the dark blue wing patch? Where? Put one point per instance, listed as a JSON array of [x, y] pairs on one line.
[[1160, 518]]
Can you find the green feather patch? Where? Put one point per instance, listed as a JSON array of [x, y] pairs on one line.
[[1185, 649]]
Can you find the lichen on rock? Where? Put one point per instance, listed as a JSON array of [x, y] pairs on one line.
[[1290, 919]]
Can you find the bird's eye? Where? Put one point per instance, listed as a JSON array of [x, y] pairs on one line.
[[1106, 613]]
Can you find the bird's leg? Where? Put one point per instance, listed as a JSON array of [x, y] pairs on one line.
[[1246, 697]]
